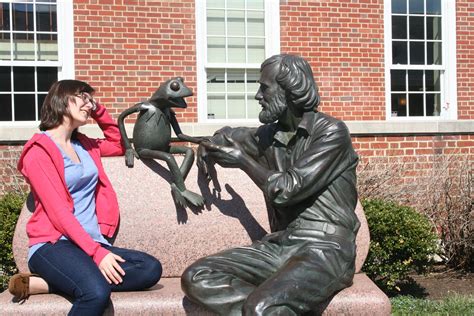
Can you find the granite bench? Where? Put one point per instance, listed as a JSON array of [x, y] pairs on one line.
[[151, 222]]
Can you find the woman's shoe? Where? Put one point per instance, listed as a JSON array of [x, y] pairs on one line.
[[19, 286]]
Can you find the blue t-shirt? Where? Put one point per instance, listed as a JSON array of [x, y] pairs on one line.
[[81, 180]]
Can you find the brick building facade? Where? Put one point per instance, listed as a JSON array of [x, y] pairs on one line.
[[125, 49]]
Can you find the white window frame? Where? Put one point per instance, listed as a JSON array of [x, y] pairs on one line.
[[448, 84], [272, 47], [65, 62]]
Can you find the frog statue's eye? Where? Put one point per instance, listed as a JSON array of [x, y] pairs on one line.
[[175, 86]]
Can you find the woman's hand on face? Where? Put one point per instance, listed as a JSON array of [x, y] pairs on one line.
[[110, 268], [87, 96]]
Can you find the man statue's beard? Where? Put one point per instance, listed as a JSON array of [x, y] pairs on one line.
[[273, 110]]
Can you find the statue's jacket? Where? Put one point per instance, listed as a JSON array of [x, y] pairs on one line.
[[42, 165], [311, 195]]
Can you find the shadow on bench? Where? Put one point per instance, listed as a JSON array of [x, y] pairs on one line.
[[151, 222]]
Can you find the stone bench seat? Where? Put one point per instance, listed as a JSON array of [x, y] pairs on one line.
[[151, 222]]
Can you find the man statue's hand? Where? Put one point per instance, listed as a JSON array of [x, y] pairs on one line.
[[130, 153], [227, 156]]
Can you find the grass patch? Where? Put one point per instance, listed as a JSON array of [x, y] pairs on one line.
[[452, 305]]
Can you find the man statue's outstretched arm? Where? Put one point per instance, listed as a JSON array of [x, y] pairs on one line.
[[234, 148]]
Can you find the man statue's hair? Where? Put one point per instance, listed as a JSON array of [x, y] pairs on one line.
[[296, 78]]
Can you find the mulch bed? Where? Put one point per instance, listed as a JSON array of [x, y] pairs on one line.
[[439, 284]]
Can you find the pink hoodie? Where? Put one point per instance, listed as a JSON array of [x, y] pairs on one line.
[[42, 165]]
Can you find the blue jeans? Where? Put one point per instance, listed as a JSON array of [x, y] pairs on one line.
[[69, 270]]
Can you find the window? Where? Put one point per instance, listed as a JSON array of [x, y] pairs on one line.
[[32, 54], [420, 59], [233, 38]]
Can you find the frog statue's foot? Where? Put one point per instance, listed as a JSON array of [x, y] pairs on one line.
[[184, 197]]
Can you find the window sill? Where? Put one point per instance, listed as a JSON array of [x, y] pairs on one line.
[[21, 133]]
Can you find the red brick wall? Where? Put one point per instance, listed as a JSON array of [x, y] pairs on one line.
[[11, 179], [125, 49], [407, 146], [417, 153], [465, 58], [415, 170], [344, 42]]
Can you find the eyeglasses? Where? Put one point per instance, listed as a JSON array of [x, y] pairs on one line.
[[86, 97]]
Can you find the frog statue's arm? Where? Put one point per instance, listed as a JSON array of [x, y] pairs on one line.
[[130, 153], [177, 130]]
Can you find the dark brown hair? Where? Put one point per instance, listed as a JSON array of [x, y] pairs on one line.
[[55, 105]]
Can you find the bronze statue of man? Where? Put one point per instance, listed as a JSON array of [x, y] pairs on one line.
[[305, 165]]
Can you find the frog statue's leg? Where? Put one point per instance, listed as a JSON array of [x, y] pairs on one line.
[[180, 194]]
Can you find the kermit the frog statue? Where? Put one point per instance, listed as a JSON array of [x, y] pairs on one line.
[[152, 136]]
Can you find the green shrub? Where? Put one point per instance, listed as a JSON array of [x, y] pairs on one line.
[[402, 240], [10, 207]]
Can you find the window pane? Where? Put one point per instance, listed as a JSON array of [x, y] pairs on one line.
[[216, 81], [399, 105], [415, 80], [433, 6], [23, 79], [256, 23], [253, 108], [22, 17], [47, 47], [5, 17], [5, 107], [5, 79], [46, 77], [399, 6], [433, 104], [255, 4], [46, 18], [23, 49], [253, 75], [399, 53], [25, 107], [216, 49], [416, 7], [215, 22], [236, 23], [236, 106], [215, 4], [256, 50], [417, 53], [5, 47], [235, 80], [235, 4], [432, 80], [216, 107], [417, 27], [236, 52], [433, 28], [399, 27], [415, 104], [397, 79], [433, 53]]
